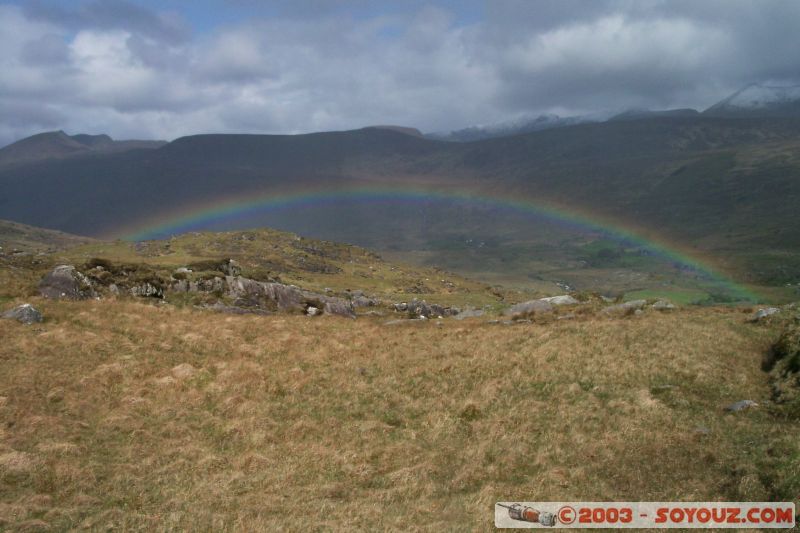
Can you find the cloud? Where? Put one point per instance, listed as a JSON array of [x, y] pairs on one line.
[[128, 70], [111, 15]]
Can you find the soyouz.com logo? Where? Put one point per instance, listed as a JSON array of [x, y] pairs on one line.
[[619, 515]]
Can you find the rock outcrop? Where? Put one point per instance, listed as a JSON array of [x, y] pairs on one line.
[[219, 291], [287, 298], [663, 305], [564, 299], [24, 313], [469, 313], [66, 282], [422, 309], [528, 309], [763, 313]]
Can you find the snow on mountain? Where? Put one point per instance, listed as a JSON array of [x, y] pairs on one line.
[[523, 124], [760, 100]]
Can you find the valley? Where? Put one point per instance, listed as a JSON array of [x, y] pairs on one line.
[[716, 193]]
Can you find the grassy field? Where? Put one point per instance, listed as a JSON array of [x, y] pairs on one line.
[[136, 416], [146, 414]]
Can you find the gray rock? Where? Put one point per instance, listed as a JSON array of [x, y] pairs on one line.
[[214, 284], [180, 285], [663, 305], [625, 309], [280, 297], [763, 313], [564, 299], [363, 301], [231, 268], [741, 405], [528, 309], [339, 306], [275, 296], [147, 290], [287, 297], [64, 281], [422, 309], [469, 313], [24, 313]]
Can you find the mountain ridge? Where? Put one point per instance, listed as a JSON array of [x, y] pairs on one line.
[[57, 144], [697, 180]]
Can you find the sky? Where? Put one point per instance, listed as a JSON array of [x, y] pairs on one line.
[[163, 69]]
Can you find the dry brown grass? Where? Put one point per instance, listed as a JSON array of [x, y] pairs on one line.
[[140, 417]]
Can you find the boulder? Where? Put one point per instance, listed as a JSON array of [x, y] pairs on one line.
[[469, 313], [763, 313], [528, 309], [64, 281], [147, 290], [338, 306], [422, 309], [564, 299], [364, 301], [287, 297], [231, 268], [663, 305], [24, 313], [625, 309], [246, 291]]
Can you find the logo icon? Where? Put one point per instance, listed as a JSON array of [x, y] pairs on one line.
[[517, 511]]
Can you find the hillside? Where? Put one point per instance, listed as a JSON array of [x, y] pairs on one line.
[[57, 144], [162, 413], [18, 238], [725, 191]]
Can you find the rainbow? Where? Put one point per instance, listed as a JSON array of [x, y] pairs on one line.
[[201, 216]]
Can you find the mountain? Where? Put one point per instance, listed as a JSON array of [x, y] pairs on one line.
[[759, 101], [57, 144], [726, 191], [401, 129], [513, 127], [637, 114]]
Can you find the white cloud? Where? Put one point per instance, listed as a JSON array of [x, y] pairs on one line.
[[117, 68]]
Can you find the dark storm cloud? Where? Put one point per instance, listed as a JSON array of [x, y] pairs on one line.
[[614, 54], [111, 14], [131, 70], [49, 49]]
